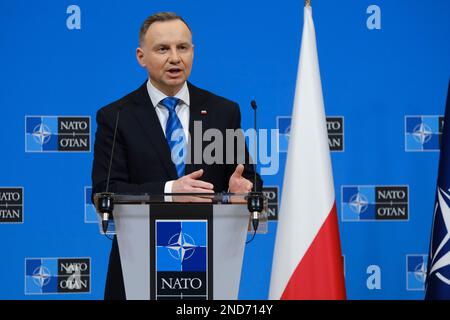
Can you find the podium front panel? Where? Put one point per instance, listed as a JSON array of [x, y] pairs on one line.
[[146, 264], [132, 230], [230, 233], [181, 251]]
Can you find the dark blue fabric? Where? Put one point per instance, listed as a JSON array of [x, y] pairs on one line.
[[438, 274]]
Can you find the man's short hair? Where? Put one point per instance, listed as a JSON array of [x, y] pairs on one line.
[[158, 17]]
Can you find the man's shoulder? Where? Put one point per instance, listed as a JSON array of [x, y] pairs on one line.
[[129, 99], [210, 97]]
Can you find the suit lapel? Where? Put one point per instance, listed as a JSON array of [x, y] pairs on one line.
[[198, 113], [146, 116]]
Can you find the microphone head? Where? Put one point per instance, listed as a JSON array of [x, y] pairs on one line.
[[105, 203], [253, 103]]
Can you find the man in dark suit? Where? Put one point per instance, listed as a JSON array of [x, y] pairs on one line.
[[147, 159]]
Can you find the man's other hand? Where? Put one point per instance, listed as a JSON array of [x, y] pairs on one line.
[[237, 183]]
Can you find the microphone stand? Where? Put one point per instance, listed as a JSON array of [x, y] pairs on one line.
[[255, 199], [106, 199]]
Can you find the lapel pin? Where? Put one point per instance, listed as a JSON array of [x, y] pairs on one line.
[[203, 112]]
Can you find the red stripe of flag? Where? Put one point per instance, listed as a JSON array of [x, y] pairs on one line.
[[319, 274]]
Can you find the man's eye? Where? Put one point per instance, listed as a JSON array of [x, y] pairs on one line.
[[162, 50], [182, 48]]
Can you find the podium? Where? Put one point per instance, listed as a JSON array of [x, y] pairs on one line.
[[175, 247]]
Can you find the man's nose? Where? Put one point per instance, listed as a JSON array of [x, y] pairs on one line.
[[174, 56]]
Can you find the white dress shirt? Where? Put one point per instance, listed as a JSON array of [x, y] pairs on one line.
[[182, 110]]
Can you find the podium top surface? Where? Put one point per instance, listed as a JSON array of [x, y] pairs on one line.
[[206, 198]]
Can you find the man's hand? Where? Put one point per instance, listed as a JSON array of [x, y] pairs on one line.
[[237, 183], [190, 184]]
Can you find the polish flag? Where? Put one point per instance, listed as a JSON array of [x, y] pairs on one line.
[[307, 261]]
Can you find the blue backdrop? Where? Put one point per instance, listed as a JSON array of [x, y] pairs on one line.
[[384, 69]]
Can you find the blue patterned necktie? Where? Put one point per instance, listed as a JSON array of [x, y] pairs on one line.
[[175, 135]]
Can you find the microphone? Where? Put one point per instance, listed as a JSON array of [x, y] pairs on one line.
[[105, 199], [255, 199]]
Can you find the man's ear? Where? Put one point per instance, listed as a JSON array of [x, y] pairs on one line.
[[140, 56]]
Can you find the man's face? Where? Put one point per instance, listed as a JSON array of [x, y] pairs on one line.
[[167, 54]]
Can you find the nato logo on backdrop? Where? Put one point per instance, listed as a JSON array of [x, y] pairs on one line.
[[57, 134], [374, 203], [271, 193], [181, 259], [11, 205], [416, 271], [335, 128], [57, 275], [91, 216], [423, 133]]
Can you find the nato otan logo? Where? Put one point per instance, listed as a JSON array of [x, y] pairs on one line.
[[416, 271], [335, 128], [11, 205], [423, 133], [181, 259], [271, 193], [57, 275], [374, 203], [57, 134], [92, 217]]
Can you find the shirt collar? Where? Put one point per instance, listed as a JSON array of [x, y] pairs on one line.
[[156, 95]]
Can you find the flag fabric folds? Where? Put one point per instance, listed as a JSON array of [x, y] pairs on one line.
[[438, 271], [307, 261]]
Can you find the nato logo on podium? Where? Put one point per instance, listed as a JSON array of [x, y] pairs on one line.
[[181, 259]]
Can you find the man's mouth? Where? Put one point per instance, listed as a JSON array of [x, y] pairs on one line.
[[175, 71]]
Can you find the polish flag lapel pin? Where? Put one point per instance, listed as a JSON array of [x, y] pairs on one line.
[[203, 112]]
